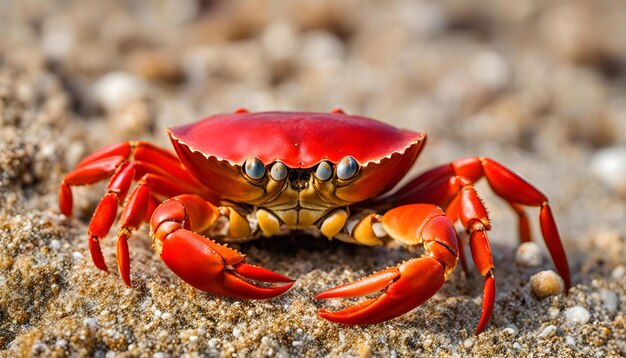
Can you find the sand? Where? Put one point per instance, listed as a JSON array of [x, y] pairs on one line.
[[539, 87]]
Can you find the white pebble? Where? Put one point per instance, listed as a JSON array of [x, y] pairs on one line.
[[609, 300], [553, 312], [342, 337], [90, 322], [546, 283], [618, 272], [529, 254], [296, 343], [236, 332], [516, 345], [609, 165], [548, 332], [166, 315], [576, 315], [193, 338], [468, 343], [77, 255], [116, 89], [510, 329], [490, 69], [157, 313], [570, 341], [55, 244]]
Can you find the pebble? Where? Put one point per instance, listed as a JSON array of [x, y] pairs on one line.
[[576, 315], [570, 341], [510, 330], [90, 322], [468, 343], [548, 332], [516, 345], [77, 255], [116, 89], [609, 165], [609, 300], [553, 312], [490, 69], [55, 244], [546, 283], [529, 254], [618, 272]]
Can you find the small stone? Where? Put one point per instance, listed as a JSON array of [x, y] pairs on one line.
[[609, 300], [548, 332], [468, 343], [77, 255], [570, 341], [90, 322], [55, 244], [116, 89], [236, 332], [553, 312], [618, 272], [576, 315], [546, 283], [166, 315], [510, 330], [193, 338], [516, 345], [609, 165], [529, 254]]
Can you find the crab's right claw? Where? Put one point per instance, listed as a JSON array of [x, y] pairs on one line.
[[217, 269], [404, 288]]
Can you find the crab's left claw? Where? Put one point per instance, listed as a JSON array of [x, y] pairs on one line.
[[202, 262], [404, 288]]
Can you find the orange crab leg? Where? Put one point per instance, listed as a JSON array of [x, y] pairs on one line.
[[409, 284], [202, 262], [442, 185], [167, 179]]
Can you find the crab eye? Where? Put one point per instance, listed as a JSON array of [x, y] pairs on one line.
[[278, 171], [324, 171], [254, 168], [347, 168]]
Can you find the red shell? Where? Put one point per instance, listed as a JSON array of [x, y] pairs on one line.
[[300, 140]]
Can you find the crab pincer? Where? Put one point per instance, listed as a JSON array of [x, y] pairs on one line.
[[202, 262], [404, 288], [412, 282]]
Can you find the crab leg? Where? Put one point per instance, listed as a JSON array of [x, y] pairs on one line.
[[167, 179], [411, 283], [202, 262], [103, 163], [443, 186]]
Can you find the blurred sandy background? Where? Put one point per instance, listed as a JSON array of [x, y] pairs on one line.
[[537, 85]]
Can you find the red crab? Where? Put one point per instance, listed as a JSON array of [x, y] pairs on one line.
[[244, 175]]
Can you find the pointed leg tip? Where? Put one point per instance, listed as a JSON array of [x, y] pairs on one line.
[[96, 254]]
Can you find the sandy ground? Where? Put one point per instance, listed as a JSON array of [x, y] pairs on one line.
[[539, 86]]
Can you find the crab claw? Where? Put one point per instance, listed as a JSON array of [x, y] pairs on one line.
[[404, 287], [217, 269]]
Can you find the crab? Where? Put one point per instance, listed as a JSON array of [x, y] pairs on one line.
[[241, 176]]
